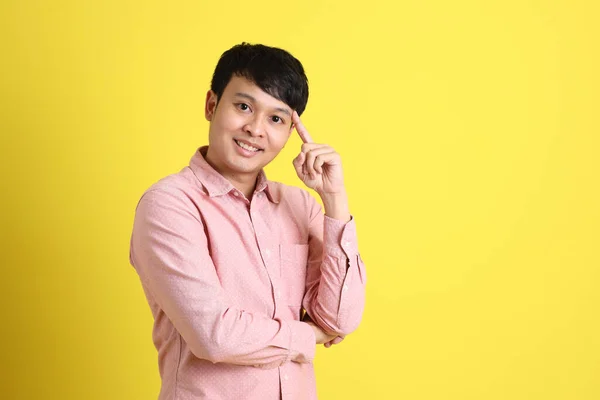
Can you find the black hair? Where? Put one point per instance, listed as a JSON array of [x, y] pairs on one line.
[[274, 70]]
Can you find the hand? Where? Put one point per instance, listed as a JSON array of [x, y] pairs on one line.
[[320, 335], [337, 340], [319, 166], [322, 340]]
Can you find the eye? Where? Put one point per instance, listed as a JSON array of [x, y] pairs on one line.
[[243, 106], [276, 119]]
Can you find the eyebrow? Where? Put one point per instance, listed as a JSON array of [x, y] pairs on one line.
[[247, 96]]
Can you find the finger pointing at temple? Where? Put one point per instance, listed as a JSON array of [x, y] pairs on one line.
[[301, 129]]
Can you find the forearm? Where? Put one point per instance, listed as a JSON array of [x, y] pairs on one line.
[[336, 281], [242, 338]]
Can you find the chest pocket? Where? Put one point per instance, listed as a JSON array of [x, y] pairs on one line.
[[292, 267]]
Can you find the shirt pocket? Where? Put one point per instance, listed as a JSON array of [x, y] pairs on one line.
[[292, 268]]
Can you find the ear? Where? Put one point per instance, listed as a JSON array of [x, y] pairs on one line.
[[211, 105]]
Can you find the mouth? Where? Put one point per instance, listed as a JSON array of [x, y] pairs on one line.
[[247, 146]]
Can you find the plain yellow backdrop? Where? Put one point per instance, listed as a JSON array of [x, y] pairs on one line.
[[470, 136]]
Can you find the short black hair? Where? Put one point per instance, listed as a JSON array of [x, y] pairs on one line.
[[274, 70]]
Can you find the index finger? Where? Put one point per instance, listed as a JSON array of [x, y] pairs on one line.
[[301, 129]]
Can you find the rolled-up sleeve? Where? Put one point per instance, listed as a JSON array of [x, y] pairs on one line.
[[169, 252]]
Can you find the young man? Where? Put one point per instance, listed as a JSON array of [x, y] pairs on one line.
[[244, 276]]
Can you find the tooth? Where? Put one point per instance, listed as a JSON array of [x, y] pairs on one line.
[[247, 147]]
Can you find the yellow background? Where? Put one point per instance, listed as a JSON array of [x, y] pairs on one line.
[[470, 136]]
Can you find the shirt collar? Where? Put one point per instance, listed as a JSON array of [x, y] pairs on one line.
[[217, 185]]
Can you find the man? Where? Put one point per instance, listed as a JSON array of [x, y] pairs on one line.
[[244, 276]]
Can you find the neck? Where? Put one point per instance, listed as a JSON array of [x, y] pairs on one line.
[[245, 183]]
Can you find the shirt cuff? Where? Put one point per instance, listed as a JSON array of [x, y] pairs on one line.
[[302, 342], [339, 238]]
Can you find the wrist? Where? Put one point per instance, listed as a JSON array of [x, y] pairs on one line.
[[336, 205]]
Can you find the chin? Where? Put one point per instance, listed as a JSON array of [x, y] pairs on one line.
[[244, 166]]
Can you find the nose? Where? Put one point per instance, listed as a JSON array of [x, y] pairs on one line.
[[255, 127]]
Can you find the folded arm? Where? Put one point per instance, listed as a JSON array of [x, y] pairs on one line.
[[170, 253]]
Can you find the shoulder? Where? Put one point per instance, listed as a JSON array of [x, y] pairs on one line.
[[181, 189]]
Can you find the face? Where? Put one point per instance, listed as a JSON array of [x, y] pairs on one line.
[[248, 128]]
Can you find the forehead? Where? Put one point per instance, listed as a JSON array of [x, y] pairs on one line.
[[239, 86]]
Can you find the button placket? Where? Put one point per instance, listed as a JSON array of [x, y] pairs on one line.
[[267, 252]]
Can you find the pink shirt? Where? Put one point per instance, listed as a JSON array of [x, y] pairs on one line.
[[226, 280]]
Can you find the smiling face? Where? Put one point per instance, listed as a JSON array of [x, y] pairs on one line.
[[248, 128]]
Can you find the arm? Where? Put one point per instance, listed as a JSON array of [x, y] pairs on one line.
[[170, 253], [335, 284], [336, 278]]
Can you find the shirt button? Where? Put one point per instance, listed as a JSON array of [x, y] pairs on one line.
[[347, 243], [236, 194], [267, 253], [277, 294], [345, 288], [285, 377]]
